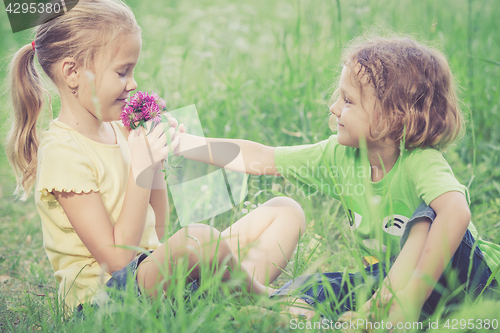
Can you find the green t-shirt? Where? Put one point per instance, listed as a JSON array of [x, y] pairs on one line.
[[378, 212]]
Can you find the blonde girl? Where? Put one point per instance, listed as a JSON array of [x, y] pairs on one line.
[[91, 208], [395, 109]]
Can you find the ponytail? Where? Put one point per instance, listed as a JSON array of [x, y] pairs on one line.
[[80, 34], [27, 95]]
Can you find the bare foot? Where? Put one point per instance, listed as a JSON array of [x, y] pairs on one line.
[[300, 309], [270, 291]]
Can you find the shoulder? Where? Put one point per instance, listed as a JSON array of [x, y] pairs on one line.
[[60, 145], [64, 164], [431, 174], [422, 159], [57, 138], [424, 153]]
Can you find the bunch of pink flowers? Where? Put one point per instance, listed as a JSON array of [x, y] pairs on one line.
[[140, 108]]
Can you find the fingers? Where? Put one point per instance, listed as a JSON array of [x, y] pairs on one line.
[[171, 147], [170, 135], [159, 139], [163, 150], [158, 130], [173, 122], [162, 142]]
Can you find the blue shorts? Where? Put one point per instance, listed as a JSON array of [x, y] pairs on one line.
[[127, 276], [340, 290], [120, 280]]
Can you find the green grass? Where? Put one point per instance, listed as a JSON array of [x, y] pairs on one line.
[[263, 71]]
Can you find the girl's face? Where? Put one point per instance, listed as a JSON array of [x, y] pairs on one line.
[[115, 78], [353, 110]]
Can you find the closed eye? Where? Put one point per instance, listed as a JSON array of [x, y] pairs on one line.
[[122, 74]]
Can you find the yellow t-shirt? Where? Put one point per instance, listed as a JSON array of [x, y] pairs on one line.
[[70, 162]]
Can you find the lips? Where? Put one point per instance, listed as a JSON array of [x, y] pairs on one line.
[[338, 123]]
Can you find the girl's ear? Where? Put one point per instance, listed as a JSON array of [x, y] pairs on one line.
[[70, 72]]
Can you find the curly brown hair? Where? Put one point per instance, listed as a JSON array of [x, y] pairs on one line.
[[416, 99]]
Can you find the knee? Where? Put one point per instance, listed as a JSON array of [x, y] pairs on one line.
[[202, 232], [209, 241], [293, 210], [204, 235]]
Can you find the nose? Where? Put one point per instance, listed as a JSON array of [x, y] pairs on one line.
[[131, 84], [335, 109]]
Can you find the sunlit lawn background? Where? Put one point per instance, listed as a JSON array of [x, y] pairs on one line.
[[263, 71]]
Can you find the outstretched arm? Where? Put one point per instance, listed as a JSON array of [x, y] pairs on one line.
[[257, 159]]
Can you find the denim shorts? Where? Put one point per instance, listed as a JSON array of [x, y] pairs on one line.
[[128, 274], [121, 279], [466, 269]]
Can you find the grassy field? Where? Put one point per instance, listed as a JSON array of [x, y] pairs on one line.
[[263, 71]]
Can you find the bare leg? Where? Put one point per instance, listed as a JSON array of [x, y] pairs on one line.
[[198, 245], [266, 237]]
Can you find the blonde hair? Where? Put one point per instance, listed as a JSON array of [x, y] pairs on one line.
[[416, 99], [82, 33]]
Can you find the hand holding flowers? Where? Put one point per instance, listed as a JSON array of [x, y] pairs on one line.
[[142, 115]]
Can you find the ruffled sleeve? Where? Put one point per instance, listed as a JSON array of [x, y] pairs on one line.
[[64, 167]]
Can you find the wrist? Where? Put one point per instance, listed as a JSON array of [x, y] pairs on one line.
[[145, 178]]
